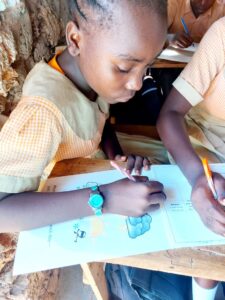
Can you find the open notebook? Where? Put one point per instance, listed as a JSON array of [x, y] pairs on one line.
[[174, 225], [178, 54]]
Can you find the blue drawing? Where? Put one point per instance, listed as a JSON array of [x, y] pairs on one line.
[[138, 226], [79, 233]]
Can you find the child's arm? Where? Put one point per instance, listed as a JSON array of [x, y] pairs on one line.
[[110, 144], [28, 210], [172, 130], [113, 150]]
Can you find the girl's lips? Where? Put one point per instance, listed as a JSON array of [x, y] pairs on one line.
[[126, 98]]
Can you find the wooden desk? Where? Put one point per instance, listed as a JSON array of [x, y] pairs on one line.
[[162, 63], [205, 262]]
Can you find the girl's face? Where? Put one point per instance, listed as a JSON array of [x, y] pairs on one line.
[[201, 6], [113, 60]]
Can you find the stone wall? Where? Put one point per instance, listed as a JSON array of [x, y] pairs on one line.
[[29, 31]]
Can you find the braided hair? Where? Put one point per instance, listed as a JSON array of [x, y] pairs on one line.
[[104, 8]]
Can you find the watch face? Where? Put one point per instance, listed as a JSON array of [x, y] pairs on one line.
[[96, 201]]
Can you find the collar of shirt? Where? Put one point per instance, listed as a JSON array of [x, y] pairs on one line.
[[54, 64], [103, 105]]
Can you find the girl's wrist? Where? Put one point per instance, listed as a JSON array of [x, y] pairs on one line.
[[104, 191], [196, 176], [193, 170]]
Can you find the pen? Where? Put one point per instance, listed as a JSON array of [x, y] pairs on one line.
[[185, 26], [208, 175], [117, 167]]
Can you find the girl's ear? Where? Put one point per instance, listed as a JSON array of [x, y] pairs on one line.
[[73, 38]]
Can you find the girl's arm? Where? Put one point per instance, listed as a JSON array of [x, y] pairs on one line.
[[29, 210], [172, 130], [110, 144]]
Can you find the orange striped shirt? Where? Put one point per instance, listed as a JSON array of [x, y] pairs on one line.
[[53, 121]]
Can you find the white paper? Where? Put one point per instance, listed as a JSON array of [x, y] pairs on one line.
[[192, 48], [174, 225], [178, 54]]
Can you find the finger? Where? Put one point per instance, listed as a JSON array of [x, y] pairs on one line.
[[146, 163], [217, 212], [156, 198], [154, 187], [210, 209], [130, 163], [219, 183], [119, 157], [184, 41], [220, 228], [153, 207], [179, 44], [186, 38], [183, 44], [174, 44], [141, 178], [215, 225], [222, 202], [138, 164]]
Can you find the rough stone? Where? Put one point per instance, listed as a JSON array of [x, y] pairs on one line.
[[29, 31]]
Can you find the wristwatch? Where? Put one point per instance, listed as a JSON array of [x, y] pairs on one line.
[[96, 200]]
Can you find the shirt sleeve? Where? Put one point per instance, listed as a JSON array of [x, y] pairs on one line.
[[28, 142], [206, 63]]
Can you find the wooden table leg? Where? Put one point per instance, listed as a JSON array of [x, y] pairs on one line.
[[95, 275]]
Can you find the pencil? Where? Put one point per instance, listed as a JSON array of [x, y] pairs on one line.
[[208, 175], [117, 167], [185, 26]]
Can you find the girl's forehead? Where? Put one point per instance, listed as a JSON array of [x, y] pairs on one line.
[[139, 33], [145, 32]]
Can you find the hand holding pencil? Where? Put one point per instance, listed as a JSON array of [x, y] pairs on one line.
[[183, 39], [207, 197], [209, 178], [137, 195]]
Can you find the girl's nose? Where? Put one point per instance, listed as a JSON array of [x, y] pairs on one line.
[[134, 83]]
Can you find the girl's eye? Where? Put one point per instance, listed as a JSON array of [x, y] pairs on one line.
[[121, 70]]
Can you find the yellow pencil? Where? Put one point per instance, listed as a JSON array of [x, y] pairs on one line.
[[208, 175]]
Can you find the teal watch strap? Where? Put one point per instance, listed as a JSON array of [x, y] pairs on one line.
[[96, 200]]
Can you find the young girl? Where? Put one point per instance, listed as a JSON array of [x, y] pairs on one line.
[[197, 101], [63, 110]]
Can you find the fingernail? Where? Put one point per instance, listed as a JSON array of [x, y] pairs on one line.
[[164, 194], [127, 171]]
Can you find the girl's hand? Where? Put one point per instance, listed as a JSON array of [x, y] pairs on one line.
[[182, 40], [129, 198], [210, 210], [135, 162]]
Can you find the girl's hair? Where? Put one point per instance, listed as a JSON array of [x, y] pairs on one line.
[[103, 8]]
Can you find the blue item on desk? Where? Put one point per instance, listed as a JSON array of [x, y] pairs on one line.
[[138, 226]]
